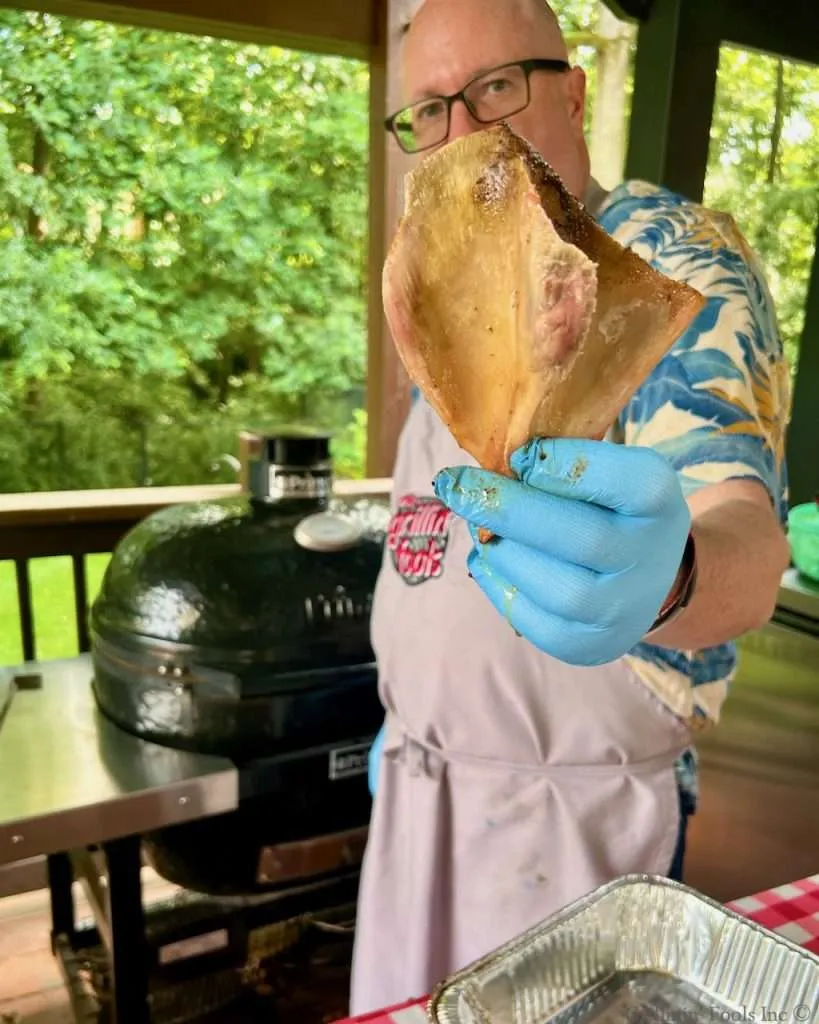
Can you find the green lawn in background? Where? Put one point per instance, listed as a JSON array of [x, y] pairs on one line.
[[52, 588]]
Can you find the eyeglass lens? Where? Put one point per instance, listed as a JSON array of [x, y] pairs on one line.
[[497, 94]]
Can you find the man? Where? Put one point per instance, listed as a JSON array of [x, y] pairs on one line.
[[537, 740]]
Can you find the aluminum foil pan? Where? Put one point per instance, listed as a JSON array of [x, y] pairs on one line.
[[641, 950]]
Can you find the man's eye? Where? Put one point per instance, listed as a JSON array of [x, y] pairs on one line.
[[496, 85], [429, 110]]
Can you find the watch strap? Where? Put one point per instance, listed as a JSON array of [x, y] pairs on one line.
[[683, 592]]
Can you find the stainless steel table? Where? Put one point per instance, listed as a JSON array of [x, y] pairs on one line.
[[67, 775], [70, 780]]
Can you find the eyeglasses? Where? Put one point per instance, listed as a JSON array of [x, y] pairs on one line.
[[490, 97]]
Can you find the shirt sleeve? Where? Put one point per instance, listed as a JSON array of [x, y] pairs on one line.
[[717, 405]]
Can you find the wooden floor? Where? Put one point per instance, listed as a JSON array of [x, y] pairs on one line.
[[31, 988], [30, 984], [307, 991]]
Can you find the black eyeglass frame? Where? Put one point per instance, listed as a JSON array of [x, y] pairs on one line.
[[527, 66]]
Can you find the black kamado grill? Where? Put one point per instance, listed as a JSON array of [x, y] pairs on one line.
[[240, 628]]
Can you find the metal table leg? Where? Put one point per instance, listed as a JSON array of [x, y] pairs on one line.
[[126, 919], [60, 887]]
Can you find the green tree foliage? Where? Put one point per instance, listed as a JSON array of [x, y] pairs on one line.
[[182, 232], [764, 167]]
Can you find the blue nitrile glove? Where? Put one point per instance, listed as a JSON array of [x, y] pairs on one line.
[[587, 542], [374, 759]]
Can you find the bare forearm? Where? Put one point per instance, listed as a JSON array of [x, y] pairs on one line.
[[741, 555]]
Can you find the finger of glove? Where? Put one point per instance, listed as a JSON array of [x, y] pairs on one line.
[[569, 591], [630, 480], [570, 531], [572, 642]]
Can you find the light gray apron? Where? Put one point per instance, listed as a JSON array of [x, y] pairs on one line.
[[510, 783]]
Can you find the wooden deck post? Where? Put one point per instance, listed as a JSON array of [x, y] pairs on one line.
[[387, 384], [675, 76]]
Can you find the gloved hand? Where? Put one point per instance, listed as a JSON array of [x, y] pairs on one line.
[[374, 759], [587, 542]]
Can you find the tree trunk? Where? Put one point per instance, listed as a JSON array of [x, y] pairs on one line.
[[778, 121], [608, 127], [39, 163]]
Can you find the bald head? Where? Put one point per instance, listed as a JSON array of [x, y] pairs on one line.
[[541, 22], [448, 43], [535, 16]]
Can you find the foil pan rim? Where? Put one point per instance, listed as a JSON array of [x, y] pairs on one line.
[[458, 983]]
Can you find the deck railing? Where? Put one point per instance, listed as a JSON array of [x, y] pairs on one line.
[[81, 523]]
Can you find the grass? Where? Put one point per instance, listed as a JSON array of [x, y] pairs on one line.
[[52, 589]]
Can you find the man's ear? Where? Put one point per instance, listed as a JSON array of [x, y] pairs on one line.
[[575, 84]]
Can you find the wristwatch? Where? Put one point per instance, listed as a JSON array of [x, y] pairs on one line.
[[681, 595]]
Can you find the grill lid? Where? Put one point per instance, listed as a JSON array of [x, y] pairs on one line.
[[281, 576]]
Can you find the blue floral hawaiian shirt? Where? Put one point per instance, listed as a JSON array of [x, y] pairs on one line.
[[717, 405]]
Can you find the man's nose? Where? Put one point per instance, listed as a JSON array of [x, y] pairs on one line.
[[461, 122]]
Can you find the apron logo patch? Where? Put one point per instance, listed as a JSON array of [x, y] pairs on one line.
[[417, 538]]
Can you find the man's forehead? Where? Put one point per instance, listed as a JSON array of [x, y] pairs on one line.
[[498, 31], [532, 8]]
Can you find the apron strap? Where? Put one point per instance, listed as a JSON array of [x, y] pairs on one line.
[[424, 758]]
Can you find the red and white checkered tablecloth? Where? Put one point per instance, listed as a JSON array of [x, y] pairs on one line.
[[790, 910]]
